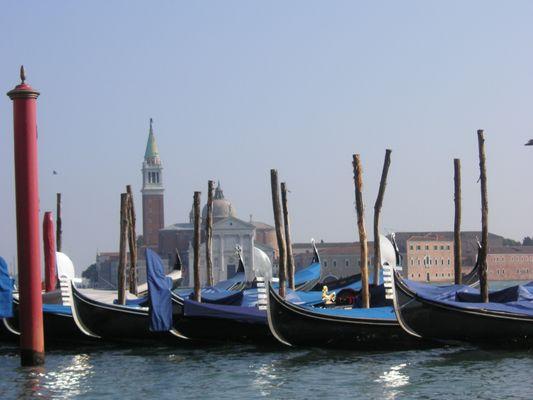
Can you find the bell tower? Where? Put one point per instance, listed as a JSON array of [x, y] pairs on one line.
[[152, 192]]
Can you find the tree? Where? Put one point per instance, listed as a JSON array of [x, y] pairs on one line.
[[90, 273], [527, 241], [510, 242]]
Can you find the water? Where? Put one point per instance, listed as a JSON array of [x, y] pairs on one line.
[[238, 371]]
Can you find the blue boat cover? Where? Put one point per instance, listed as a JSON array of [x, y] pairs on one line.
[[57, 309], [6, 291], [251, 315], [358, 313], [512, 300], [159, 287], [140, 302], [220, 296]]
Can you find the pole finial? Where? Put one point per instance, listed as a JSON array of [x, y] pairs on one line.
[[151, 122], [22, 74]]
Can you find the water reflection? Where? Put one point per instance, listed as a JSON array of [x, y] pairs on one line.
[[69, 380], [63, 381], [392, 380], [265, 378]]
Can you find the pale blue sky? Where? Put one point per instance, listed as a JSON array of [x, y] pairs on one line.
[[238, 87]]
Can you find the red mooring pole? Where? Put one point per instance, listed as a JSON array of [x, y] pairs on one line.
[[28, 244], [49, 240]]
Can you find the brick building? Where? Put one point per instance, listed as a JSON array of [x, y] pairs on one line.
[[510, 263]]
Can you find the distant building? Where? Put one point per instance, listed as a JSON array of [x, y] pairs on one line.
[[429, 258], [468, 239], [510, 263], [426, 256]]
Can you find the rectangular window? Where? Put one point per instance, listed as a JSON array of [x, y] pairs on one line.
[[435, 247], [418, 247], [346, 263], [448, 261], [442, 247], [411, 247], [334, 263], [427, 247], [412, 262], [448, 247]]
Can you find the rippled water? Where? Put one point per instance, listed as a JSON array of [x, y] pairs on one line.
[[237, 371]]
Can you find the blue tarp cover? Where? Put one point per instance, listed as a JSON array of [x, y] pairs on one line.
[[140, 302], [57, 309], [251, 315], [512, 300], [159, 287], [360, 313], [220, 296], [6, 291]]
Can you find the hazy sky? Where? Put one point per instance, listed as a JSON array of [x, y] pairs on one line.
[[238, 87]]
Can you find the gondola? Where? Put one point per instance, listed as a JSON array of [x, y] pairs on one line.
[[245, 321], [353, 328], [130, 322], [249, 320], [342, 324], [456, 313]]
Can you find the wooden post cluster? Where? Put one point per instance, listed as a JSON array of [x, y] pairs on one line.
[[124, 226], [59, 228], [196, 247], [360, 209], [483, 285], [377, 211], [278, 222], [288, 242], [209, 234], [457, 250], [132, 240]]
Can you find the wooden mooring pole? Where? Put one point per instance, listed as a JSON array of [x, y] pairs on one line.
[[360, 209], [196, 247], [288, 241], [483, 284], [278, 222], [24, 99], [377, 211], [132, 242], [59, 224], [50, 273], [121, 271], [209, 234], [457, 250]]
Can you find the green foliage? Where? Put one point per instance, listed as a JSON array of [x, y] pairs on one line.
[[510, 242], [90, 273]]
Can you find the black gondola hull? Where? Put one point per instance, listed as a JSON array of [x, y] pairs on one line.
[[114, 322], [57, 327], [437, 321], [294, 325], [220, 329]]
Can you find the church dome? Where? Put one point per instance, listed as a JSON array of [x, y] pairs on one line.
[[222, 208]]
